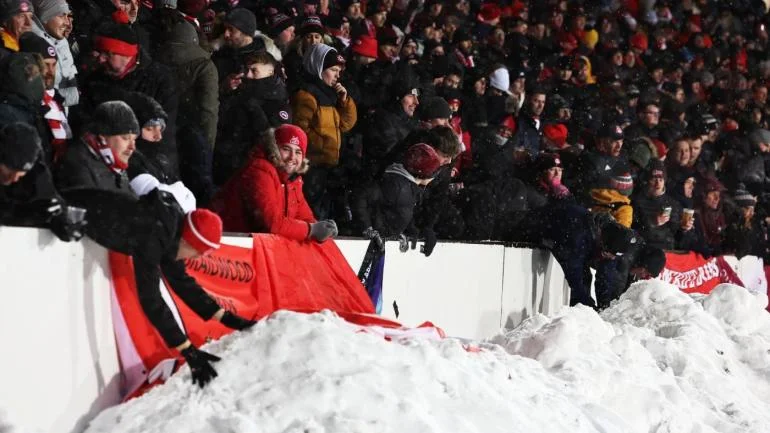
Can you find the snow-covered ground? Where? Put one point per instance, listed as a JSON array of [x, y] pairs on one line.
[[656, 361]]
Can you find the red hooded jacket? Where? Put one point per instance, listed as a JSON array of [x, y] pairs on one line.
[[260, 198]]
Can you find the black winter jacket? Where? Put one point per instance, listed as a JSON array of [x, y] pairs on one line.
[[386, 128], [388, 206], [150, 78], [82, 168]]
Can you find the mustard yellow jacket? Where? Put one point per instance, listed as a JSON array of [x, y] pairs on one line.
[[612, 202], [324, 125]]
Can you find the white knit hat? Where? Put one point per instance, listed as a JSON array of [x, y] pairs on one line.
[[500, 80]]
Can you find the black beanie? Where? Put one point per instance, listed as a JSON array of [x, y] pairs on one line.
[[113, 118], [19, 146], [243, 20], [434, 108], [32, 43]]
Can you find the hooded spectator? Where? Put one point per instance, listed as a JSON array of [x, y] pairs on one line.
[[54, 24], [710, 217], [260, 102], [265, 196]]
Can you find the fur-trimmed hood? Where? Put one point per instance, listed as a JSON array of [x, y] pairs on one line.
[[269, 147]]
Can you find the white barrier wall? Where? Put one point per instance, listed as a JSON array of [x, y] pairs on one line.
[[59, 363], [469, 290], [58, 366]]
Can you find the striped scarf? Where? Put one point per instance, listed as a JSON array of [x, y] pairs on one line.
[[57, 123]]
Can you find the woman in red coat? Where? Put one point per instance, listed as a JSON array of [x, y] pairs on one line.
[[265, 196]]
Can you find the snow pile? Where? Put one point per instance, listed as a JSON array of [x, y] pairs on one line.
[[657, 361]]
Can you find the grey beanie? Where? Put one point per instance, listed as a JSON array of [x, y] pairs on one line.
[[243, 20], [113, 118], [47, 9], [758, 136], [9, 8]]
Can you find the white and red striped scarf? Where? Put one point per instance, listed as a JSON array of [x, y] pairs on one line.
[[58, 124]]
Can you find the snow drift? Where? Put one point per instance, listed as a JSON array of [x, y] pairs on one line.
[[656, 361]]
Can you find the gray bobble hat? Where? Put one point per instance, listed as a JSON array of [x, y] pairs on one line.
[[113, 118], [47, 9], [9, 8]]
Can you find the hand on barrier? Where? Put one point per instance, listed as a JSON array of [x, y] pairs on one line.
[[200, 365], [430, 242], [403, 243], [374, 235], [69, 224], [234, 321], [323, 230]]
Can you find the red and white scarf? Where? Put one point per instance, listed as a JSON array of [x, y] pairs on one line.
[[105, 152], [57, 123]]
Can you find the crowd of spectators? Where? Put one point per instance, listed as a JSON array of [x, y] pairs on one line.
[[598, 128]]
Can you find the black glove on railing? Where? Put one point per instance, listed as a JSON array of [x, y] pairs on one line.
[[234, 321], [430, 242], [69, 224], [200, 365], [374, 235]]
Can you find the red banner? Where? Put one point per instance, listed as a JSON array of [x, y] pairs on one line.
[[693, 273], [275, 274]]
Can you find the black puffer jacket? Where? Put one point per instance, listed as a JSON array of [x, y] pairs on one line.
[[386, 128], [150, 78], [82, 168], [148, 229], [646, 211], [246, 114], [389, 205]]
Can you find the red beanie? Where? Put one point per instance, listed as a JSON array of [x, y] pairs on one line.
[[489, 12], [421, 161], [557, 133], [660, 148], [639, 41], [291, 134], [202, 230], [365, 46]]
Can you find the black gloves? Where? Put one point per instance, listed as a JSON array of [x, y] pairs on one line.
[[70, 224], [200, 365], [374, 235], [323, 230], [430, 242], [233, 321]]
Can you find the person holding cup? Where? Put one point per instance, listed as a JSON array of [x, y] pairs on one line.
[[657, 215]]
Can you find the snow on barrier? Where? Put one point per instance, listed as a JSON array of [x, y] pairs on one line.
[[60, 366], [57, 328]]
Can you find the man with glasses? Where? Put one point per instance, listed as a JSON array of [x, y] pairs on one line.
[[53, 23], [647, 122], [15, 20]]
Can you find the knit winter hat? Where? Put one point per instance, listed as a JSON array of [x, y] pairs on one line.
[[711, 183], [387, 36], [243, 20], [547, 161], [9, 8], [278, 23], [656, 169], [113, 118], [421, 161], [47, 9], [291, 134], [622, 182], [742, 197], [117, 36], [434, 107], [19, 146], [488, 12], [365, 46], [32, 43], [147, 110], [311, 24], [500, 80], [202, 229], [333, 58], [556, 133]]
